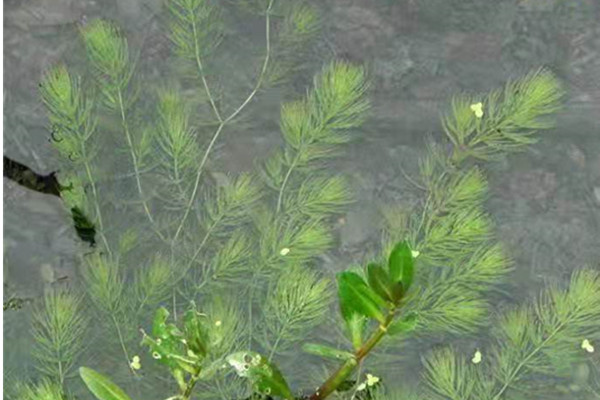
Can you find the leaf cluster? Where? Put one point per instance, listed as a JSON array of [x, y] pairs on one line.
[[296, 303], [299, 26], [176, 140], [59, 328], [195, 27], [313, 127], [43, 390], [532, 342], [451, 231], [510, 117], [69, 113], [108, 53]]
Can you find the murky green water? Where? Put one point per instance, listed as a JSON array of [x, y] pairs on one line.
[[544, 202]]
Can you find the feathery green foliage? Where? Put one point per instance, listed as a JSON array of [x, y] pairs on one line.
[[511, 117], [178, 149], [195, 27], [108, 53], [43, 390], [453, 234], [299, 27], [533, 341], [228, 205], [207, 229], [296, 303], [69, 112], [153, 283], [314, 126], [231, 234], [225, 326], [319, 195], [73, 126], [59, 328], [304, 239], [105, 284]]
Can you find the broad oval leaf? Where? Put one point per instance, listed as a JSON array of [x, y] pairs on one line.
[[101, 386], [379, 281], [264, 376], [357, 297], [405, 325], [401, 265]]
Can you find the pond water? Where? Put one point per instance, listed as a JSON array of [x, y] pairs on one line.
[[544, 202]]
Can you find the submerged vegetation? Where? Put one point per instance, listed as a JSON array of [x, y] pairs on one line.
[[208, 285]]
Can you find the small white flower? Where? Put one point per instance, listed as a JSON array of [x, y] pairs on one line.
[[476, 357], [415, 253], [477, 108], [156, 355], [372, 380], [218, 323], [285, 251], [587, 346], [135, 363]]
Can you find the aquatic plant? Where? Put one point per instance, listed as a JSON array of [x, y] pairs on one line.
[[177, 238], [59, 330]]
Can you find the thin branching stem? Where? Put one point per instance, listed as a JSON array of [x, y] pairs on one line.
[[88, 171], [285, 181], [135, 162], [202, 74], [61, 374], [277, 340], [523, 362], [227, 120], [122, 342]]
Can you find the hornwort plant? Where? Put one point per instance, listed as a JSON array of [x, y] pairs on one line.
[[173, 232]]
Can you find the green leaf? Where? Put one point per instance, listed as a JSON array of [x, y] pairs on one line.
[[159, 324], [101, 386], [264, 376], [356, 326], [397, 292], [379, 281], [401, 265], [346, 385], [326, 351], [357, 298], [195, 333], [407, 324]]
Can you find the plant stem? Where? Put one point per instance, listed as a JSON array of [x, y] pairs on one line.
[[285, 180], [228, 119], [523, 362], [342, 373], [135, 162], [189, 387], [88, 171], [61, 373], [122, 342], [277, 340], [202, 74]]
